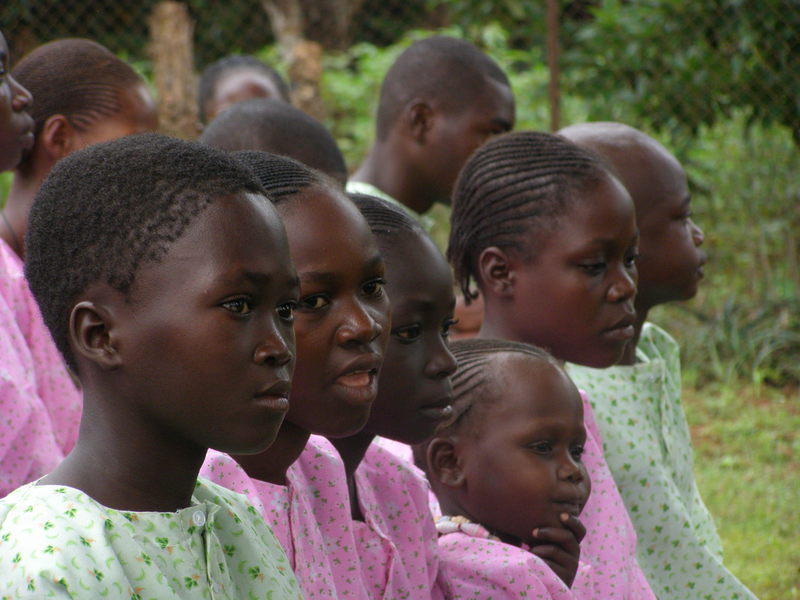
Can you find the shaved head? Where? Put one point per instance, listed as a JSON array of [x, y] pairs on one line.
[[444, 72], [646, 168]]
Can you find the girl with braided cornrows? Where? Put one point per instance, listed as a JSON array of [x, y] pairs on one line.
[[388, 497], [549, 236], [84, 95], [341, 328], [507, 470], [38, 401]]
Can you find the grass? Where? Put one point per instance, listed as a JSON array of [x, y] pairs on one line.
[[747, 465]]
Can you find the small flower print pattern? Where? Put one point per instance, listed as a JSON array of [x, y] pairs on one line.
[[649, 451], [40, 408], [145, 555]]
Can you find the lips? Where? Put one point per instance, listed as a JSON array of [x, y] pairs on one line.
[[439, 410], [275, 396], [358, 381], [622, 330]]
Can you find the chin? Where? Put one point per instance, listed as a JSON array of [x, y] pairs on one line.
[[344, 429]]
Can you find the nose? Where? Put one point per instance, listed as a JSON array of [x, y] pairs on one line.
[[570, 469], [21, 97], [698, 237], [276, 347], [442, 363], [358, 325], [623, 287]]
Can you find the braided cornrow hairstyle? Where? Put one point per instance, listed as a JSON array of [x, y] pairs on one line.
[[74, 77], [214, 72], [475, 359], [383, 217], [109, 209], [515, 183], [283, 177]]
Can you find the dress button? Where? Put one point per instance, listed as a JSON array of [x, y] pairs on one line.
[[199, 518]]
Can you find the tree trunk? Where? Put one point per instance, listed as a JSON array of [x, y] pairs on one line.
[[171, 49]]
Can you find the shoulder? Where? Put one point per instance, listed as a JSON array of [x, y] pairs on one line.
[[657, 343], [381, 462]]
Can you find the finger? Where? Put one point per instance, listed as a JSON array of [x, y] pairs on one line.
[[561, 537], [574, 524], [555, 553]]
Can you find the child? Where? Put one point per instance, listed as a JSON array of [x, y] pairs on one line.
[[164, 275], [550, 237], [274, 126], [425, 131], [638, 405], [39, 403], [342, 325], [236, 78], [388, 501], [507, 470], [83, 95]]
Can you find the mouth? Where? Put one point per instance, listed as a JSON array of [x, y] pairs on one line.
[[622, 330], [359, 379], [275, 397], [437, 411], [571, 507]]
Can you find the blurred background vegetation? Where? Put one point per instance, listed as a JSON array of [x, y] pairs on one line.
[[718, 82]]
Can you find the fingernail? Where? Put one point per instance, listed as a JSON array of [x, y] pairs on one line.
[[564, 517], [536, 532]]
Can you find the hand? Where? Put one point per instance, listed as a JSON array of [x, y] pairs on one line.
[[560, 547]]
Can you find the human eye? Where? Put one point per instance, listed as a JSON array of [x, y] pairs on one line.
[[313, 302], [576, 451], [286, 311], [408, 333], [238, 306], [447, 325], [542, 447], [631, 257], [593, 268], [374, 287]]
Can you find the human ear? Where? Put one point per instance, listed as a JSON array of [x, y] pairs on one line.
[[444, 463], [91, 334], [57, 137], [420, 120], [496, 272]]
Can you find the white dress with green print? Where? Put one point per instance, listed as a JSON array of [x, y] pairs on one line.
[[57, 542], [648, 448]]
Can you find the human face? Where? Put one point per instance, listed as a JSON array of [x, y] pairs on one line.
[[16, 125], [414, 392], [522, 464], [137, 115], [574, 297], [456, 135], [238, 86], [206, 336], [671, 262], [342, 319]]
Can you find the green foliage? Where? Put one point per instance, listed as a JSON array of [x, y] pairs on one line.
[[746, 449], [680, 65]]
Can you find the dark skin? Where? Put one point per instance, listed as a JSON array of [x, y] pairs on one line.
[[514, 463], [574, 295], [414, 394], [59, 138], [418, 161], [153, 403], [239, 85], [341, 325], [671, 262], [16, 125]]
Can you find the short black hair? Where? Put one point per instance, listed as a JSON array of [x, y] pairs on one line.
[[476, 370], [109, 209], [214, 72], [385, 219], [74, 77], [274, 126], [444, 68], [514, 183]]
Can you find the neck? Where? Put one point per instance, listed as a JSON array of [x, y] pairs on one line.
[[495, 325], [397, 178], [272, 464], [127, 465], [352, 450], [18, 207], [629, 355]]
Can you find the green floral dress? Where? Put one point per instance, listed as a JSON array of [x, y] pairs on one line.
[[57, 542], [648, 448]]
